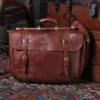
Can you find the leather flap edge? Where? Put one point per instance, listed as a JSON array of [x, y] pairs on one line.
[[45, 42]]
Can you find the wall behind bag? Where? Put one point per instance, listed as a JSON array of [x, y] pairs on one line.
[[36, 4], [3, 29]]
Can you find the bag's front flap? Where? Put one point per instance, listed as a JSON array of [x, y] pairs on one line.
[[16, 39], [45, 40]]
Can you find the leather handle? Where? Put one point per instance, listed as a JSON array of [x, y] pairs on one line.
[[52, 20], [76, 24], [42, 20], [69, 3]]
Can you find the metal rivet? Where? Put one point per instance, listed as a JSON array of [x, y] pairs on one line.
[[30, 41], [24, 41], [66, 59], [38, 28], [24, 57], [45, 42], [56, 28]]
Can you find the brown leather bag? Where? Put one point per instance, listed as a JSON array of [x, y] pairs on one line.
[[49, 55]]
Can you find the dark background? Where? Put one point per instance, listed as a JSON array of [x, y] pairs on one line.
[[3, 29]]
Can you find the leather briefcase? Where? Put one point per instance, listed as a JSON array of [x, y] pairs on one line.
[[49, 55]]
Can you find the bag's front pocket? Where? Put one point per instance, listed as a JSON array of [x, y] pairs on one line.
[[45, 66], [17, 64]]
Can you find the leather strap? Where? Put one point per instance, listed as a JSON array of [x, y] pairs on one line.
[[66, 49], [52, 20], [76, 24], [67, 15], [25, 48], [69, 3]]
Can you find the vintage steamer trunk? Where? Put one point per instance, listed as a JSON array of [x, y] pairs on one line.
[[86, 12], [94, 65], [47, 9]]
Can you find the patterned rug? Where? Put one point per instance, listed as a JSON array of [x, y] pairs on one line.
[[4, 66], [4, 61], [11, 89]]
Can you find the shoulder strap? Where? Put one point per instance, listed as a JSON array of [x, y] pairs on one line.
[[76, 24], [68, 14]]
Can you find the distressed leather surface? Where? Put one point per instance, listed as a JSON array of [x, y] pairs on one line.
[[47, 56]]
